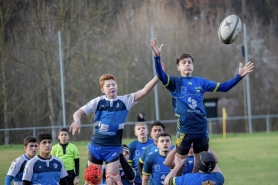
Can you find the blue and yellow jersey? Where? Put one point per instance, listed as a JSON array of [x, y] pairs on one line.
[[154, 167], [110, 116], [215, 178], [188, 96]]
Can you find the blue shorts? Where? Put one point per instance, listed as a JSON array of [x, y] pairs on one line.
[[107, 153], [183, 142]]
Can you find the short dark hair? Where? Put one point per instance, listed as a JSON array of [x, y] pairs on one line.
[[29, 139], [163, 134], [183, 56], [63, 130], [158, 123], [43, 135]]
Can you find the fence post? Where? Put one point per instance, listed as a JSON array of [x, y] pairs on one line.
[[210, 127], [34, 132], [267, 124]]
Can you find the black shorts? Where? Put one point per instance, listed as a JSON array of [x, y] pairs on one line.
[[200, 142], [70, 177]]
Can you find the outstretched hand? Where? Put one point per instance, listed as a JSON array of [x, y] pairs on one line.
[[248, 68], [155, 48], [75, 126]]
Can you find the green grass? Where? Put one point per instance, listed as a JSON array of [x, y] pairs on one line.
[[243, 158]]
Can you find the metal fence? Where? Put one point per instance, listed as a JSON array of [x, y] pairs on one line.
[[236, 124]]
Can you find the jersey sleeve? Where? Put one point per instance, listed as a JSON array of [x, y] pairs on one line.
[[132, 151], [64, 172], [143, 156], [91, 106], [147, 168], [128, 100], [221, 87], [28, 171], [166, 80], [14, 168]]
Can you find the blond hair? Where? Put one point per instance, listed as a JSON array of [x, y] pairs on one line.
[[140, 124]]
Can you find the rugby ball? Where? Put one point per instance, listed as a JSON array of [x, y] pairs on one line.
[[229, 29]]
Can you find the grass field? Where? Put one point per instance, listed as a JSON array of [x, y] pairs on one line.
[[243, 159]]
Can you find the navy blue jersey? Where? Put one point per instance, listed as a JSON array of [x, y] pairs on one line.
[[198, 178], [39, 171], [136, 149], [16, 169], [154, 167], [188, 96], [110, 116]]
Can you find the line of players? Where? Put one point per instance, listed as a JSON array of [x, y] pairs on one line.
[[147, 157]]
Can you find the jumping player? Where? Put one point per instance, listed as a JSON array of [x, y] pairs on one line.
[[110, 111], [187, 101]]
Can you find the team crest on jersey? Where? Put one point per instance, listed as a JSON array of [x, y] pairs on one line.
[[192, 103], [55, 165], [157, 168], [137, 153], [189, 83], [183, 90]]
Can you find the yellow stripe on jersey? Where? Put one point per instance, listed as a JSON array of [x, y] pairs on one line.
[[216, 88], [144, 173], [140, 160], [167, 81]]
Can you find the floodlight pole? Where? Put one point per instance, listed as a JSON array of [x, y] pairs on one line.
[[62, 79], [247, 79], [155, 87]]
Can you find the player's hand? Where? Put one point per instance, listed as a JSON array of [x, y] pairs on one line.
[[76, 180], [75, 126], [155, 48], [248, 68], [178, 161]]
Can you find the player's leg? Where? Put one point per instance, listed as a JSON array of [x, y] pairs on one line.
[[111, 156], [94, 157], [200, 144], [183, 144]]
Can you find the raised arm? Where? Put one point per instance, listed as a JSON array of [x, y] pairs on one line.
[[148, 87], [75, 126], [159, 67]]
